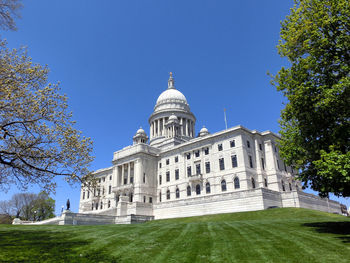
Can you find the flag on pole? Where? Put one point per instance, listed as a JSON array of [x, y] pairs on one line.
[[225, 118]]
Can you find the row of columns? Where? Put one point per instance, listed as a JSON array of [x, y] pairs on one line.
[[125, 173], [158, 128]]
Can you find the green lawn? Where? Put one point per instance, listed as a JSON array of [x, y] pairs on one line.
[[275, 235]]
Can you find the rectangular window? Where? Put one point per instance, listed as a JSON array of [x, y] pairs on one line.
[[207, 167], [232, 143], [168, 176], [188, 155], [144, 178], [260, 146], [206, 151], [189, 171], [150, 200], [198, 168], [278, 165], [83, 195], [160, 165], [144, 199], [248, 144], [160, 179], [167, 161], [250, 161], [177, 174], [110, 178], [222, 164], [88, 194], [176, 159], [220, 147], [99, 180], [196, 153], [131, 179], [263, 163], [234, 160], [103, 179], [109, 189]]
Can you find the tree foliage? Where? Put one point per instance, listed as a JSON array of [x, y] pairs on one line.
[[8, 11], [29, 206], [315, 124], [38, 140]]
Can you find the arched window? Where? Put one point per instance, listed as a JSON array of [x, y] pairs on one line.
[[177, 193], [207, 188], [290, 187], [168, 194], [236, 183], [253, 182], [223, 185], [109, 203], [283, 187], [188, 190], [198, 189], [160, 196]]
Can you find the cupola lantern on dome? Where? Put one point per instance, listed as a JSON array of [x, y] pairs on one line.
[[171, 81]]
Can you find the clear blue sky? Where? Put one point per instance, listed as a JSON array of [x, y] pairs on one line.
[[113, 58]]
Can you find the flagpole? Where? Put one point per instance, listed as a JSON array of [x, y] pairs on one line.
[[225, 118]]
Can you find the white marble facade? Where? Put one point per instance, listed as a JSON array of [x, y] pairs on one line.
[[174, 173]]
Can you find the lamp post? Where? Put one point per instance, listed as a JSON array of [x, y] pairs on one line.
[[35, 215]]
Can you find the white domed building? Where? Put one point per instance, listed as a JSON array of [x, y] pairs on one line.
[[173, 173]]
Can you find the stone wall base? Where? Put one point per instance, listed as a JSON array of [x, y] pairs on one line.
[[239, 201]]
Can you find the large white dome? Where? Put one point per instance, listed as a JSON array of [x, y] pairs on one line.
[[171, 95]]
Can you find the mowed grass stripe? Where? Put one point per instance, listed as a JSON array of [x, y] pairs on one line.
[[310, 246], [277, 243], [146, 245], [254, 252]]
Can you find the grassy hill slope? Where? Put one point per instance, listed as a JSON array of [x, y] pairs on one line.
[[276, 235]]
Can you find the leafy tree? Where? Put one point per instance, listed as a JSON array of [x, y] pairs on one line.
[[43, 207], [38, 140], [8, 11], [315, 123], [29, 206]]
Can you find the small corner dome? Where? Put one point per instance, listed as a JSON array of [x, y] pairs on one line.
[[204, 131], [173, 118], [140, 131]]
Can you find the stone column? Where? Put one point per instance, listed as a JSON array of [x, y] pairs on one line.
[[128, 164], [115, 176], [164, 130], [123, 174], [158, 126]]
